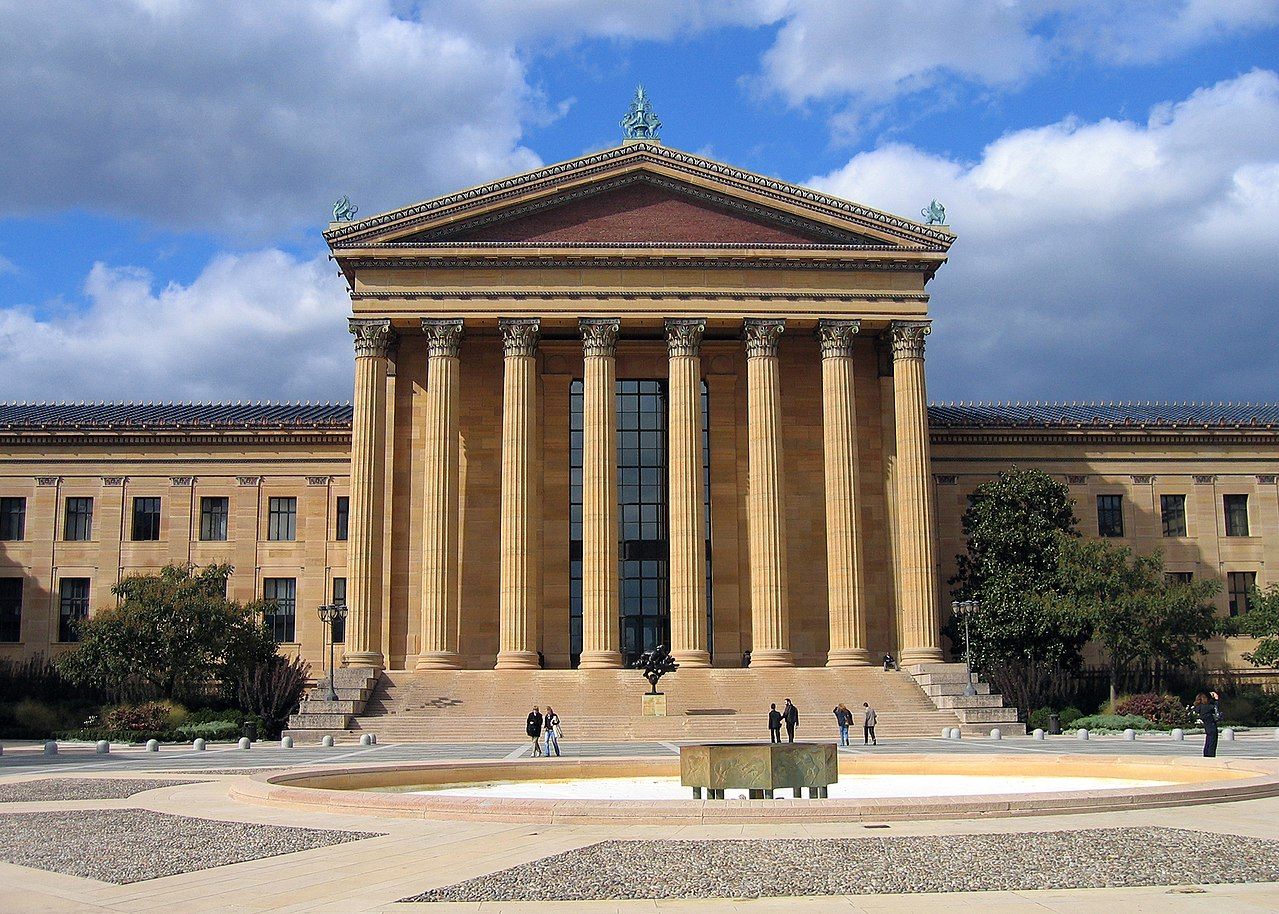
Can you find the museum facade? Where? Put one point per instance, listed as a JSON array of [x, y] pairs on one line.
[[638, 397]]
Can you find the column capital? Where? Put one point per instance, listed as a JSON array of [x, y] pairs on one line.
[[908, 338], [761, 335], [836, 337], [599, 335], [684, 335], [373, 336], [519, 335], [443, 336]]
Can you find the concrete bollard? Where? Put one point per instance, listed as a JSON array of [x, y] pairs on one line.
[[1130, 734], [1228, 734], [153, 745], [1038, 734], [1178, 734], [50, 747], [102, 747], [956, 733], [286, 742], [1, 750], [244, 742], [373, 738], [945, 733], [366, 740], [996, 733], [1082, 735], [327, 742], [198, 744]]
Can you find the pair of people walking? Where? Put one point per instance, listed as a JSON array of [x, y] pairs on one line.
[[844, 719], [544, 726], [789, 716]]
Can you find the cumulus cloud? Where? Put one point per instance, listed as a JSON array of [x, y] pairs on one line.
[[1104, 259], [257, 325]]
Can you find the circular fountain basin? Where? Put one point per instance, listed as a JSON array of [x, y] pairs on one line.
[[871, 788]]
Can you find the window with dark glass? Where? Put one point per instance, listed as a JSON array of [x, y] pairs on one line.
[[343, 517], [13, 518], [11, 609], [1239, 585], [281, 613], [213, 518], [1236, 515], [1110, 515], [339, 599], [79, 519], [1172, 508], [282, 519], [146, 518], [1179, 577], [73, 602]]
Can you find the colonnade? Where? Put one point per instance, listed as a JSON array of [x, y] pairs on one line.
[[519, 609]]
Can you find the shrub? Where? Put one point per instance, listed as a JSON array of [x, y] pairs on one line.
[[272, 689], [1165, 710], [211, 730], [149, 716], [39, 719], [1038, 719], [1116, 722], [1069, 715]]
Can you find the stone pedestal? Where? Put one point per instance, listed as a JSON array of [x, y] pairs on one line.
[[654, 705], [759, 767]]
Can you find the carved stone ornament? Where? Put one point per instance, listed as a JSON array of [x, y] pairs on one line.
[[762, 334], [684, 335], [836, 337], [1266, 480], [318, 480], [113, 481], [1142, 480], [1205, 480], [908, 338], [48, 480], [946, 480], [181, 481], [599, 335], [373, 336], [249, 480], [1076, 480], [519, 335], [443, 337]]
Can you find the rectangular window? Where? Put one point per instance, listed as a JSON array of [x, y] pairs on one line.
[[1236, 515], [213, 515], [1238, 584], [282, 519], [79, 519], [343, 517], [282, 614], [73, 601], [339, 599], [13, 518], [11, 609], [1179, 577], [1173, 510], [146, 519], [1110, 515]]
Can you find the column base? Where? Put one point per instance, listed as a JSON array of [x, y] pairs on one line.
[[920, 655], [600, 660], [438, 660], [771, 657], [372, 660], [692, 660], [848, 656], [517, 660]]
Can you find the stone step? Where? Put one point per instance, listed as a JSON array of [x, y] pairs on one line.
[[320, 721], [969, 701], [320, 706], [986, 715], [938, 689]]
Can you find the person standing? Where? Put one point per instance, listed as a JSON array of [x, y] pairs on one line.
[[774, 724], [551, 724], [868, 724], [843, 717], [534, 729], [1209, 713], [790, 716]]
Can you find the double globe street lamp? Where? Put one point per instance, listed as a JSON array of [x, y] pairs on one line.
[[965, 609], [330, 615]]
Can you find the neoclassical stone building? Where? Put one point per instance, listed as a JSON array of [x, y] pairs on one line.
[[638, 397]]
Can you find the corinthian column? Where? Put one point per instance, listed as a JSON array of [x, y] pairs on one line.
[[517, 593], [438, 650], [687, 494], [918, 619], [765, 505], [374, 340], [599, 496], [843, 540]]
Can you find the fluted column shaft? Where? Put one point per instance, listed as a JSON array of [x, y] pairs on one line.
[[686, 494], [438, 649], [374, 340], [765, 503], [919, 620], [518, 610], [600, 622], [844, 570]]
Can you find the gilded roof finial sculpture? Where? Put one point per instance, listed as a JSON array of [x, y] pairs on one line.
[[641, 122]]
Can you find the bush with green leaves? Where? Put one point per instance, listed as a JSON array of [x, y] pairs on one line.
[[1069, 715], [151, 716], [212, 730], [1115, 723], [1164, 710]]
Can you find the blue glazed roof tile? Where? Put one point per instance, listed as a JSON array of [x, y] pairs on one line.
[[1103, 414], [189, 416]]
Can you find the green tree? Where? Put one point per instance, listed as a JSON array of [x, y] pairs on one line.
[[170, 634], [1260, 621]]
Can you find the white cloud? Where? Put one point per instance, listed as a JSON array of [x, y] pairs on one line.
[[1105, 259], [7, 265], [257, 325]]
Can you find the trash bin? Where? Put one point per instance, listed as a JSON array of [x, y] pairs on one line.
[[1054, 724], [251, 730]]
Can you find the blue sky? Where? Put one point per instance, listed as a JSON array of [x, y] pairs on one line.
[[1112, 170]]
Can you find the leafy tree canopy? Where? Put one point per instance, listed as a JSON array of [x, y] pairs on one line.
[[1261, 621]]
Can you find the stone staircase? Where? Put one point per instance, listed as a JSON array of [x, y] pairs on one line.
[[945, 684], [317, 717]]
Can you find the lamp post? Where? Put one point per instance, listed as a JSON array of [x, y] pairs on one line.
[[329, 614], [966, 608]]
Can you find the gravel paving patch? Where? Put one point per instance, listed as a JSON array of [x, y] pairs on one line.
[[1089, 858], [132, 845], [80, 789]]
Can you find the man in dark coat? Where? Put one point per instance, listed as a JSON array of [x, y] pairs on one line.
[[790, 715], [534, 729], [774, 724]]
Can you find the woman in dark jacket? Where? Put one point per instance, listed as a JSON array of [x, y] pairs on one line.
[[1208, 713]]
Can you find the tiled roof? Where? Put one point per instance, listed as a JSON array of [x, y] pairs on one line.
[[133, 416], [1103, 414]]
